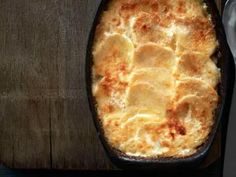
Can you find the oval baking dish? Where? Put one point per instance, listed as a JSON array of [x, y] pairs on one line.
[[225, 88]]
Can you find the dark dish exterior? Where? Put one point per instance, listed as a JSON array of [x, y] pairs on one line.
[[225, 89]]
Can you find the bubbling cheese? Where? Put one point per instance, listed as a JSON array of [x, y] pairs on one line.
[[154, 79]]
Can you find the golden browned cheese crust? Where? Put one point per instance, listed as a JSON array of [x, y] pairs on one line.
[[154, 77]]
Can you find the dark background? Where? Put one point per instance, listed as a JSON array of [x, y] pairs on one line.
[[45, 122]]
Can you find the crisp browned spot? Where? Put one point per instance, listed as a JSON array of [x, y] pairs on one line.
[[123, 68], [122, 86], [145, 21], [112, 82], [201, 35], [129, 6], [175, 125], [108, 82], [155, 6], [172, 135], [192, 64], [174, 117], [202, 30], [107, 108], [165, 144], [181, 6], [145, 27], [116, 21]]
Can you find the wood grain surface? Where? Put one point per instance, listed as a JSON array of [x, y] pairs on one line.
[[45, 120]]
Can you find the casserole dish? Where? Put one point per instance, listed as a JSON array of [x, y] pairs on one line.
[[226, 65]]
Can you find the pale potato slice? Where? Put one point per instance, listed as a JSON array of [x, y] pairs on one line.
[[153, 55], [114, 129], [160, 78], [110, 23], [131, 112], [192, 64], [156, 133], [121, 128], [116, 50], [199, 88], [144, 95]]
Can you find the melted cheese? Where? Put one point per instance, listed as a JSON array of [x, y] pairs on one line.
[[154, 80]]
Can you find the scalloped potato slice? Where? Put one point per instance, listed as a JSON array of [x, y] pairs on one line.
[[199, 66], [113, 52], [153, 55], [144, 95], [162, 79], [196, 87], [195, 108], [197, 120], [123, 127], [132, 113], [196, 116]]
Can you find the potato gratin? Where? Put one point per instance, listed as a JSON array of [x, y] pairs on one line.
[[154, 77]]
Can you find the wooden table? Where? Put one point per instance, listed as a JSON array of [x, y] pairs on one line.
[[45, 120]]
